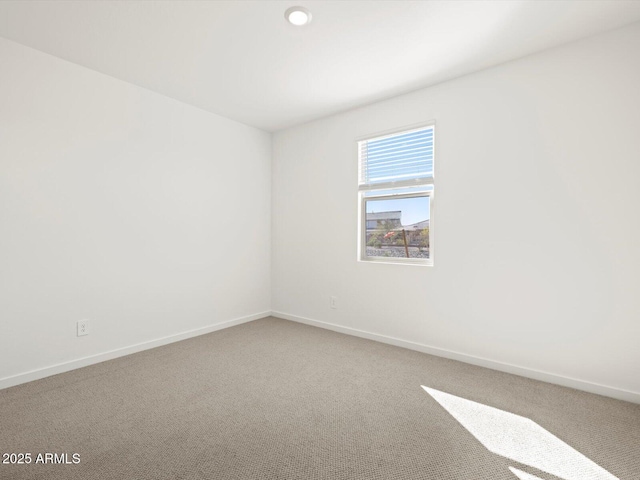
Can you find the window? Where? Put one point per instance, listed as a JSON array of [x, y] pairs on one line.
[[395, 193]]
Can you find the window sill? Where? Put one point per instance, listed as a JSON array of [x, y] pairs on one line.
[[397, 261]]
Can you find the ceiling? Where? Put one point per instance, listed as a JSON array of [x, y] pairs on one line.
[[242, 60]]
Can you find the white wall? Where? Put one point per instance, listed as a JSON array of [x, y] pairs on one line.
[[144, 215], [536, 218]]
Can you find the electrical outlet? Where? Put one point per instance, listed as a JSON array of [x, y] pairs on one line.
[[333, 302], [83, 328]]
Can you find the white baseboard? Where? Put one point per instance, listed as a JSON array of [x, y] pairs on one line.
[[121, 352], [473, 360]]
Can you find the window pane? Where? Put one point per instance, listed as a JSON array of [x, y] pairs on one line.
[[397, 227], [392, 158]]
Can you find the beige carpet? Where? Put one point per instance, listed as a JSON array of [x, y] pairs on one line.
[[273, 399]]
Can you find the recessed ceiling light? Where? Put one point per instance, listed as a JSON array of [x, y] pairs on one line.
[[298, 16]]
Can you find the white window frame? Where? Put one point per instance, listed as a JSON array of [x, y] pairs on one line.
[[427, 182]]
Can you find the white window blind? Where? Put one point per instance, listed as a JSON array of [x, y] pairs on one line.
[[397, 158]]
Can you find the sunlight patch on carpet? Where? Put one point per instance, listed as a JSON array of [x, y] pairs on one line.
[[523, 475], [520, 439]]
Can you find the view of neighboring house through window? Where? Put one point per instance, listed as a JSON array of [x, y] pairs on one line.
[[395, 192]]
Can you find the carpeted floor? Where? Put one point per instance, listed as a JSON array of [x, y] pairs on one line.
[[272, 399]]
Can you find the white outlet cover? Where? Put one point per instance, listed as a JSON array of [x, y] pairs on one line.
[[333, 302], [83, 328]]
